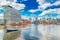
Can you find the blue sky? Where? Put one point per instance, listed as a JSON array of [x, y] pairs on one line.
[[34, 8], [29, 4], [33, 4], [1, 11]]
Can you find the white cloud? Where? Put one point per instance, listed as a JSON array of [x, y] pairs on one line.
[[43, 5], [57, 10], [56, 3], [33, 10], [13, 4], [3, 3], [46, 4], [11, 0], [17, 6], [39, 7], [40, 2]]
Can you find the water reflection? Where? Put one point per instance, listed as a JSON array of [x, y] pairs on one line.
[[31, 33], [34, 32]]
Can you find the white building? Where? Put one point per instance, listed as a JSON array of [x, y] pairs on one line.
[[11, 15]]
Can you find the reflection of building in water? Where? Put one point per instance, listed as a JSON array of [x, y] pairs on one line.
[[11, 15]]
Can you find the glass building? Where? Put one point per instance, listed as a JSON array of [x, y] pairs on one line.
[[11, 16]]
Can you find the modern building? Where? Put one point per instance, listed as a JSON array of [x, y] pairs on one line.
[[11, 16]]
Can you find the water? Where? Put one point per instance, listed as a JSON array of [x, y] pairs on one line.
[[31, 32], [51, 32], [38, 32]]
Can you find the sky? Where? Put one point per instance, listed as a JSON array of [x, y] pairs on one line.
[[34, 8]]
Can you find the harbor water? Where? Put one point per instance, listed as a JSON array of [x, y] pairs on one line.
[[41, 32]]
